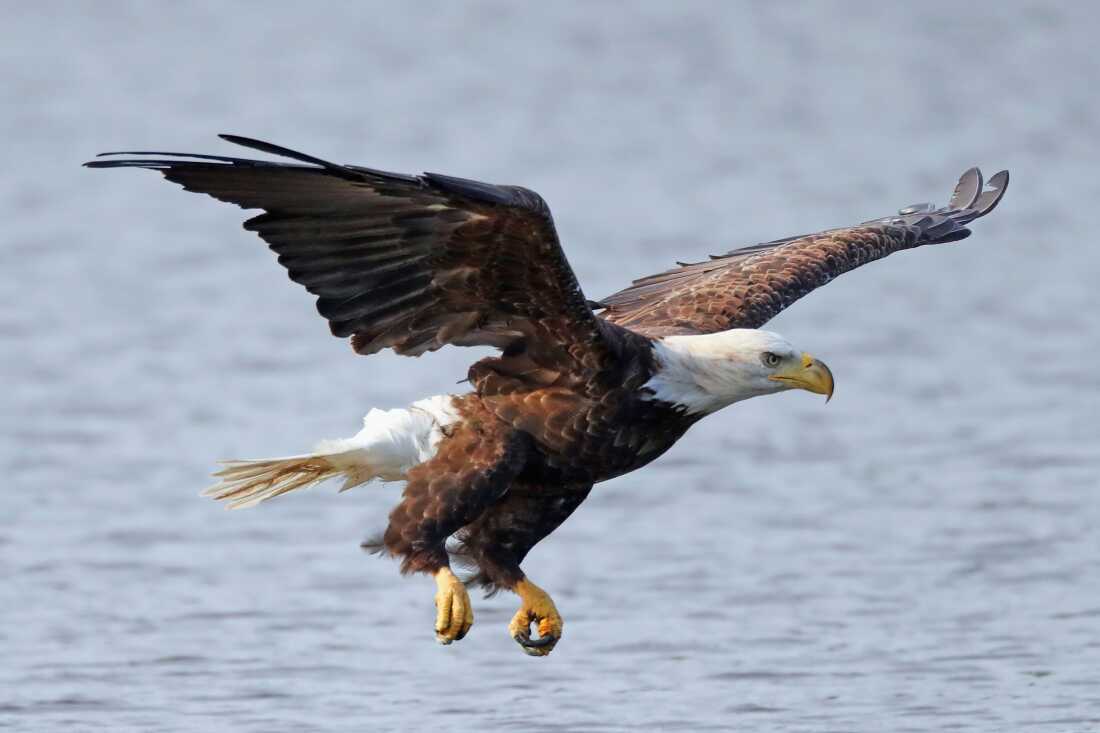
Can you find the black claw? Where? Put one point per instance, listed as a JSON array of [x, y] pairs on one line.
[[540, 642], [534, 647]]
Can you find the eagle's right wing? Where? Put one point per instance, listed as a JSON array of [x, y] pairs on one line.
[[747, 287], [405, 262]]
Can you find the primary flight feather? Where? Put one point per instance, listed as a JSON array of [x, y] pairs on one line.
[[581, 391]]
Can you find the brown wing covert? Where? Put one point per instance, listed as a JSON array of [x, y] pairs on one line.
[[747, 287]]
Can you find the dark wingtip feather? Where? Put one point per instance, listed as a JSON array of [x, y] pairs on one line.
[[150, 164], [967, 189], [988, 200], [154, 164], [970, 201], [197, 156], [248, 142]]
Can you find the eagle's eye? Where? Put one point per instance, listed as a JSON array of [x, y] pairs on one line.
[[770, 360]]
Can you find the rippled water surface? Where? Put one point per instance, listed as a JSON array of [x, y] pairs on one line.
[[922, 554]]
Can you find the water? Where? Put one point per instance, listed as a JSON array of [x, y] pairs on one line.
[[922, 554]]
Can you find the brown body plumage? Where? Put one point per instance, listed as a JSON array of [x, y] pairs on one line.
[[581, 391]]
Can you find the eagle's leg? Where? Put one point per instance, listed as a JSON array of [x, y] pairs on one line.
[[498, 541], [472, 468]]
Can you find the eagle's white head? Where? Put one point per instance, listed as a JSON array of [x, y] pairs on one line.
[[707, 372]]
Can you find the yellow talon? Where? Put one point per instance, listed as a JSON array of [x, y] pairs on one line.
[[454, 613], [535, 606]]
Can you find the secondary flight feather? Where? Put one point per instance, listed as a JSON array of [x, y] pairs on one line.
[[581, 391]]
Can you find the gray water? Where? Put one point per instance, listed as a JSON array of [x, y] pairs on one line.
[[921, 554]]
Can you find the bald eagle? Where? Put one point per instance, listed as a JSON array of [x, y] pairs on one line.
[[580, 392]]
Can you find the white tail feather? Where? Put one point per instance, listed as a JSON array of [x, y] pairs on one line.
[[390, 443]]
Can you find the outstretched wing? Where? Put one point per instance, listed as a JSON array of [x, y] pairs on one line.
[[747, 287], [403, 262]]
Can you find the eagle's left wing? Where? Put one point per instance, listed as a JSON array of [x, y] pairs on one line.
[[747, 287], [410, 263]]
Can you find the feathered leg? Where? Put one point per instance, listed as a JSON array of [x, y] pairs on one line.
[[470, 471], [499, 540]]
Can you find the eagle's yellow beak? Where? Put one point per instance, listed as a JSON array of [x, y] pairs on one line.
[[811, 375]]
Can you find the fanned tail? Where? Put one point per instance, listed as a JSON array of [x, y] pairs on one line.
[[390, 443], [245, 483]]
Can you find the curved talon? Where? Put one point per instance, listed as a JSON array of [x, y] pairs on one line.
[[536, 607], [454, 612], [539, 647], [541, 641], [538, 643]]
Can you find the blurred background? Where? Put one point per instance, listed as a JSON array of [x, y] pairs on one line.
[[920, 554]]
